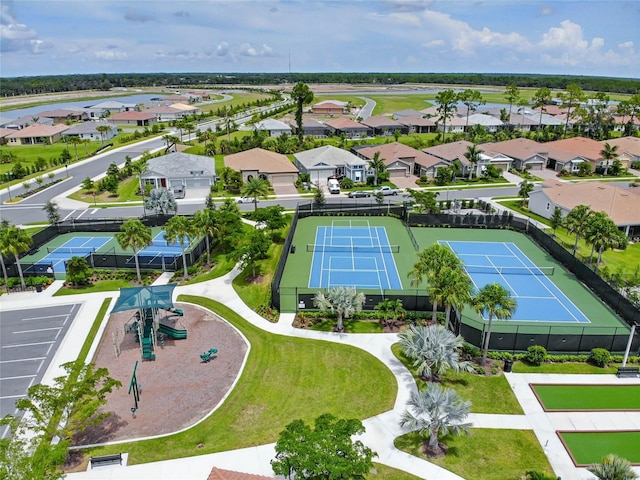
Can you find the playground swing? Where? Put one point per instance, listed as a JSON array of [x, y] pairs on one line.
[[207, 356]]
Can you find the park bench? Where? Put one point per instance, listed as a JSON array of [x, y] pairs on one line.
[[106, 460], [628, 372], [206, 356]]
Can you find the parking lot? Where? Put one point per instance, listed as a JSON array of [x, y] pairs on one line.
[[29, 339]]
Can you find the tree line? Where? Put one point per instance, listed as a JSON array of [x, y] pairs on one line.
[[67, 83]]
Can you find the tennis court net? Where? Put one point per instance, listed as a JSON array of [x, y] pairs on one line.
[[312, 247], [73, 250], [546, 271]]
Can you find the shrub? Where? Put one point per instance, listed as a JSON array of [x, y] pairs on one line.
[[346, 183], [600, 357], [536, 354]]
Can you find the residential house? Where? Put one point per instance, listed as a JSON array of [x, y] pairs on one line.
[[184, 170], [350, 128], [25, 121], [543, 120], [176, 98], [89, 131], [409, 112], [401, 160], [63, 115], [188, 109], [490, 124], [418, 124], [628, 149], [452, 152], [570, 152], [4, 132], [165, 113], [430, 112], [328, 161], [329, 107], [131, 118], [260, 163], [620, 204], [222, 474], [522, 121], [310, 128], [455, 124], [274, 128], [105, 109], [526, 154], [36, 134], [384, 126]]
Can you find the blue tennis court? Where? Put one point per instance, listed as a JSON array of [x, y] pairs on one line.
[[539, 299], [74, 247], [351, 253], [160, 251]]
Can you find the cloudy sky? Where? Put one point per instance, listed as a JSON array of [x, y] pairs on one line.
[[590, 37]]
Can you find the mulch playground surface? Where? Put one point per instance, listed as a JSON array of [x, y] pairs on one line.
[[177, 389]]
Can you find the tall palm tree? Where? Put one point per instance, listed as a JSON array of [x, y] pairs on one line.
[[431, 261], [455, 290], [343, 301], [180, 229], [497, 301], [436, 411], [206, 221], [74, 140], [377, 165], [254, 188], [4, 225], [102, 129], [433, 350], [473, 155], [576, 222], [609, 153], [525, 189], [135, 235], [602, 233], [14, 241], [613, 467]]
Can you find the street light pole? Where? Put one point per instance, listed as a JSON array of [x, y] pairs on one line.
[[94, 200], [66, 167]]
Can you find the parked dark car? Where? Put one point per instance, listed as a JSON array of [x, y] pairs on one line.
[[359, 193]]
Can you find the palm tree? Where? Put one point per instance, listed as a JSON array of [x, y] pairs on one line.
[[4, 224], [161, 201], [206, 222], [254, 188], [433, 350], [14, 241], [180, 229], [102, 129], [525, 189], [431, 261], [497, 301], [602, 233], [576, 222], [436, 411], [390, 308], [343, 301], [455, 290], [473, 155], [135, 235], [74, 140], [613, 467], [608, 153], [377, 165]]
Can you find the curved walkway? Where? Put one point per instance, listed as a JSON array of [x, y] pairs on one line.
[[381, 430]]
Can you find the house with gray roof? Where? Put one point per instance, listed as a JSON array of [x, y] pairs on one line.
[[174, 170], [89, 131], [311, 128], [328, 161], [275, 128], [418, 124], [25, 121], [490, 124], [384, 126], [64, 115]]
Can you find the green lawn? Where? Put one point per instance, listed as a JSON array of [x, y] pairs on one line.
[[488, 394], [564, 368], [101, 286], [485, 454], [588, 397], [239, 98], [284, 379], [590, 447]]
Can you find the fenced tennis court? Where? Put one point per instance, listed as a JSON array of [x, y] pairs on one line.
[[538, 298], [352, 253]]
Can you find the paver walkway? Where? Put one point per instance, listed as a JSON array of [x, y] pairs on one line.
[[380, 430]]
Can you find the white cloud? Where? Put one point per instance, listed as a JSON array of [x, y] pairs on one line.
[[434, 43], [247, 50], [16, 36], [110, 55], [625, 45], [222, 49]]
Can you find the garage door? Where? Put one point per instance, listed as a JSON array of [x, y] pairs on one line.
[[198, 183], [320, 176], [397, 172], [283, 179]]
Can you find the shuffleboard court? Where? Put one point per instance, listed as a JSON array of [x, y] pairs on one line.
[[587, 448], [352, 253], [587, 397], [538, 298]]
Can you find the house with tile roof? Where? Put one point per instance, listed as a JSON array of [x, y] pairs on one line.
[[570, 152], [222, 474], [131, 118], [525, 153], [329, 107], [63, 115], [178, 169], [628, 149], [3, 134], [260, 163], [350, 128], [165, 113], [620, 204], [89, 131], [401, 160], [418, 124], [274, 128], [329, 161], [384, 126], [189, 109], [36, 134]]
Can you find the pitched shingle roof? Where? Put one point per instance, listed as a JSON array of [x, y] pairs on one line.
[[381, 121], [221, 474], [579, 146], [450, 151], [519, 148], [87, 127], [344, 122], [130, 115], [328, 155], [260, 160], [180, 164], [390, 152], [38, 130], [625, 144]]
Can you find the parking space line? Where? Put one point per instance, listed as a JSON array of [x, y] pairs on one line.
[[27, 344], [44, 318], [13, 396], [37, 330], [14, 378], [24, 360]]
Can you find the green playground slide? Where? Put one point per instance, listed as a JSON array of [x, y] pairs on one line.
[[177, 333]]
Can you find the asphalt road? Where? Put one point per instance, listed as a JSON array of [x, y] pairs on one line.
[[29, 340]]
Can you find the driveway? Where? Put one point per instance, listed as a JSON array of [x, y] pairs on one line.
[[285, 190], [405, 182]]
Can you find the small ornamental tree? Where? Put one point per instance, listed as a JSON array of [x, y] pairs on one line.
[[78, 271], [326, 450]]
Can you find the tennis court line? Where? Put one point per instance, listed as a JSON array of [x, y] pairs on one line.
[[555, 296], [501, 276]]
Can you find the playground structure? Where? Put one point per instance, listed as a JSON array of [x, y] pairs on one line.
[[145, 324]]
